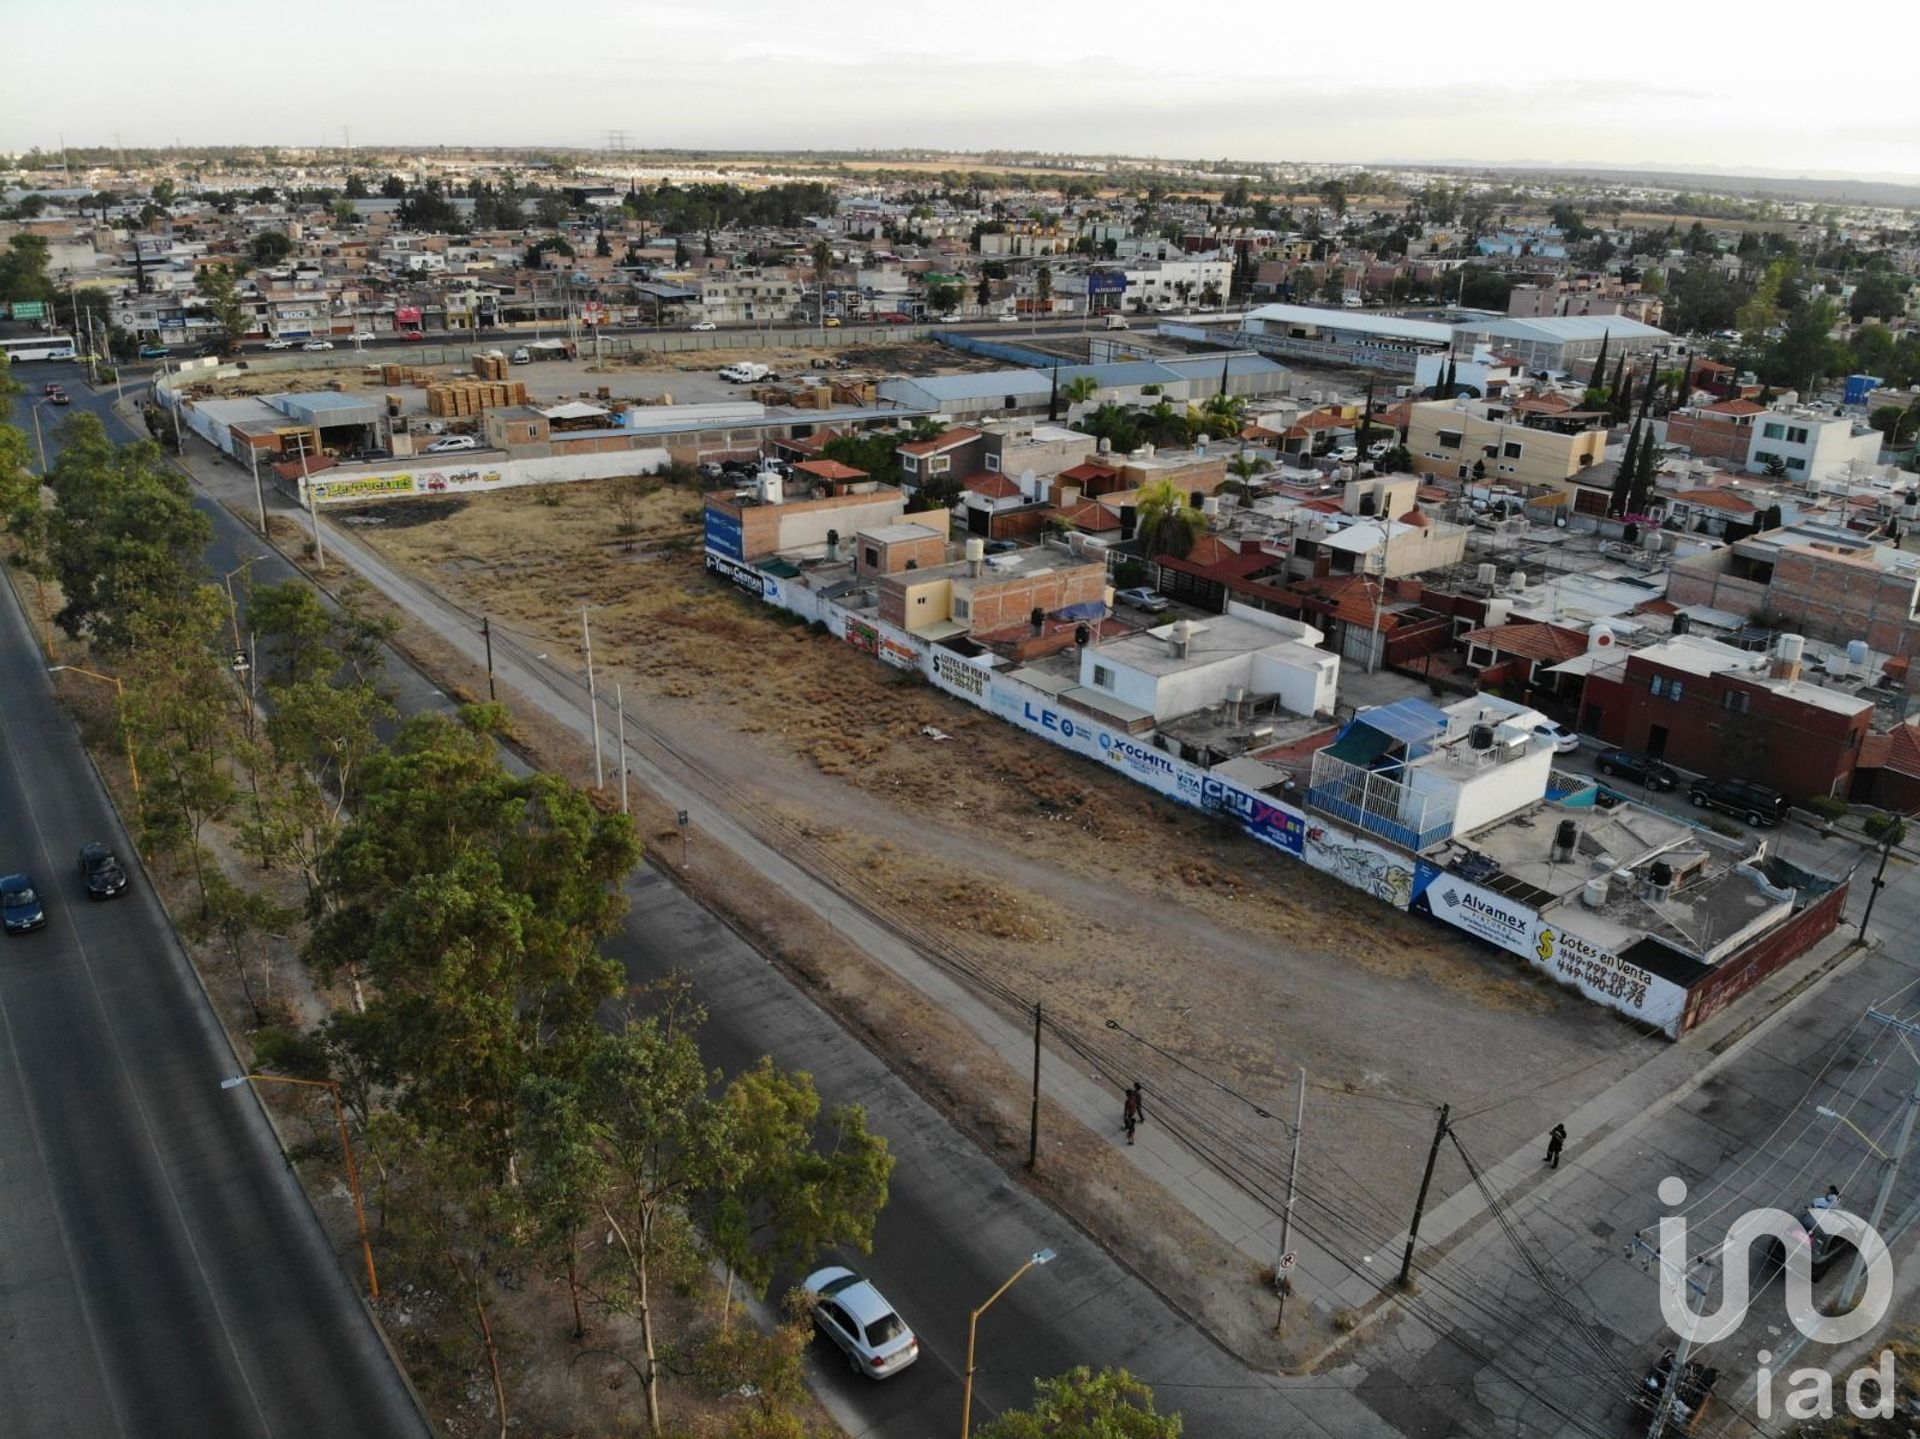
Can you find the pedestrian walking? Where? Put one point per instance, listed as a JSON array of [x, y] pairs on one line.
[[1133, 1113], [1556, 1141]]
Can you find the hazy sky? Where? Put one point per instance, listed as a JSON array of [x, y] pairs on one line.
[[1624, 82]]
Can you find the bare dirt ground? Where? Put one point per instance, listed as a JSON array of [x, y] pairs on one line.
[[1065, 881]]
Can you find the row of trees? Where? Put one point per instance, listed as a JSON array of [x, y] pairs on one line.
[[461, 910]]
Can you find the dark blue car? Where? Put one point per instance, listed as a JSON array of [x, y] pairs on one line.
[[20, 907]]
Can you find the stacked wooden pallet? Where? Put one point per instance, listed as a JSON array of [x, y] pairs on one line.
[[469, 397]]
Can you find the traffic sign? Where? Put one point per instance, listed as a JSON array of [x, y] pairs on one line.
[[1287, 1261]]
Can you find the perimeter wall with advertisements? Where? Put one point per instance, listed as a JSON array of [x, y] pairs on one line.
[[1389, 875]]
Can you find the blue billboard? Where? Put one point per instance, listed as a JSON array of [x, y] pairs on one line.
[[723, 534], [1106, 282]]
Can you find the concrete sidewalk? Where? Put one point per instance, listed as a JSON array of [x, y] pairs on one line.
[[1249, 1224]]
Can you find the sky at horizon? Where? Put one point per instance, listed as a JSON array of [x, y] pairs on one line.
[[1391, 82]]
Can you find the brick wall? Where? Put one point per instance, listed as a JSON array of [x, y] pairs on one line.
[[1711, 437], [1741, 971], [1832, 598], [996, 603]]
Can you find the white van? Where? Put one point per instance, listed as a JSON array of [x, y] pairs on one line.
[[1116, 322], [521, 357]]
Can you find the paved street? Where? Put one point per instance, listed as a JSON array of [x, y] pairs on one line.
[[163, 1271]]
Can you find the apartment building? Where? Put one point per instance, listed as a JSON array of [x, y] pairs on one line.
[[1807, 445], [1496, 440]]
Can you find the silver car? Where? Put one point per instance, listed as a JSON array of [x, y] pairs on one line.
[[850, 1312]]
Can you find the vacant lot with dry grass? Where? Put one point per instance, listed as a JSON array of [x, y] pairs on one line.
[[1059, 878]]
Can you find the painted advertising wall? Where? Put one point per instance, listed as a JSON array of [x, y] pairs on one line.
[[1388, 875], [459, 474], [1598, 973]]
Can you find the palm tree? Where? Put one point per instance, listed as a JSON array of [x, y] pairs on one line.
[[822, 267], [1164, 523], [1223, 415], [1078, 391], [1245, 467], [1165, 424]]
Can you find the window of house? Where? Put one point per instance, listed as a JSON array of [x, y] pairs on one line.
[[939, 465], [1795, 464], [1796, 435], [1735, 701], [1665, 686], [873, 558], [1102, 677], [993, 464], [909, 464], [962, 607], [1765, 457], [1449, 439], [1774, 432], [1511, 449]]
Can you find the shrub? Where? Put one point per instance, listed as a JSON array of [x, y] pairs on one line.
[[1888, 829], [1826, 806], [1720, 825]]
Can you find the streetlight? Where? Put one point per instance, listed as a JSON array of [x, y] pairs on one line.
[[1043, 1256], [132, 767], [332, 1086], [1825, 1113]]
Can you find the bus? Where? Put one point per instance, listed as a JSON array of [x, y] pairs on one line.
[[38, 347]]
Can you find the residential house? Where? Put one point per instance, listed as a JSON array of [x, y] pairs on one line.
[[1723, 430], [992, 594], [1808, 445], [1718, 710], [1524, 443]]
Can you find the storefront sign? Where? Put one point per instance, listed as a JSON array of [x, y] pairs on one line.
[[745, 576]]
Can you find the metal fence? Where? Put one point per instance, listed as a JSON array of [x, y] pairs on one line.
[[1377, 804]]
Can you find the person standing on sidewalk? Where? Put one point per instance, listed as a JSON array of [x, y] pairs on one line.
[[1133, 1113], [1556, 1141]]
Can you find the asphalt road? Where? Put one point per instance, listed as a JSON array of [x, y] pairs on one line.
[[163, 1272], [956, 1226]]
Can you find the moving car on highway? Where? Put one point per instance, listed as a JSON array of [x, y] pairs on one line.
[[100, 871], [850, 1312], [20, 906]]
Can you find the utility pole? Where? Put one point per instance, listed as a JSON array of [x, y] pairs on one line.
[[593, 701], [486, 633], [1420, 1204], [259, 494], [1895, 831], [1033, 1122], [313, 514], [620, 704], [1650, 1255], [1285, 1261]]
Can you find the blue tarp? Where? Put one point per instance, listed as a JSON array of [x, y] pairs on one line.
[[1414, 722]]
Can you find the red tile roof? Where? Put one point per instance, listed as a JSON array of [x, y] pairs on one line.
[[1734, 407], [1718, 500], [1081, 473], [1903, 750], [991, 484], [959, 435], [1529, 640], [1089, 515], [830, 470]]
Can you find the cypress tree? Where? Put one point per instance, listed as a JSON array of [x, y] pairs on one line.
[[1600, 362], [1623, 477], [1653, 383], [1617, 392], [1642, 486]]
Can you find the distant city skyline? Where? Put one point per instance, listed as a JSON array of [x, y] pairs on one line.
[[1399, 83]]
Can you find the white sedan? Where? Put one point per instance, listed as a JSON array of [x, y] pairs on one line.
[[850, 1312], [318, 345], [361, 337], [703, 325]]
